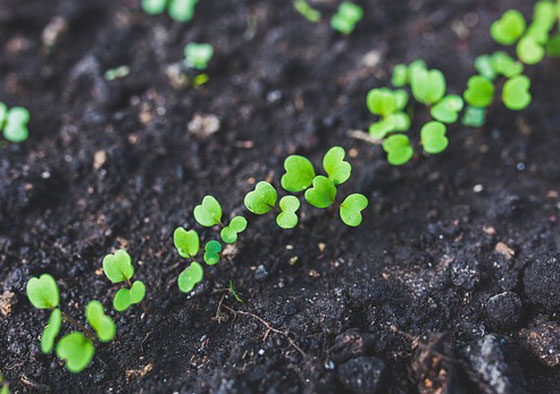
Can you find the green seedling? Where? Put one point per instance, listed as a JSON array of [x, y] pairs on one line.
[[515, 94], [337, 169], [505, 65], [212, 252], [198, 55], [483, 64], [529, 51], [288, 218], [77, 350], [117, 73], [101, 323], [179, 10], [346, 18], [299, 174], [186, 242], [399, 78], [43, 292], [351, 209], [13, 122], [509, 28], [237, 225], [553, 46], [480, 92], [209, 212], [398, 148], [389, 105], [118, 268], [263, 199], [474, 117], [190, 277], [448, 109], [232, 291], [433, 137], [307, 11], [51, 331], [428, 86], [323, 192]]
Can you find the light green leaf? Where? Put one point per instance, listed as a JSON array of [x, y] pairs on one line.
[[237, 225], [209, 212], [530, 51], [509, 28], [474, 117], [505, 65], [307, 11], [288, 218], [51, 331], [128, 297], [515, 94], [118, 267], [77, 350], [398, 149], [212, 252], [186, 242], [190, 277], [447, 110], [433, 137], [43, 292], [351, 209], [337, 169], [428, 87], [154, 7], [103, 325], [399, 78], [198, 55], [381, 101], [348, 14], [15, 129], [299, 174], [262, 199], [480, 92], [483, 64], [322, 194]]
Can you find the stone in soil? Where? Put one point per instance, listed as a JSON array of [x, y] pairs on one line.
[[503, 310], [541, 280]]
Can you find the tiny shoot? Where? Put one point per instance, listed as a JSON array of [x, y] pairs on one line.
[[346, 18], [13, 123], [118, 268]]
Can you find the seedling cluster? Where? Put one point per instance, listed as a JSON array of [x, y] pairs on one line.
[[178, 10], [13, 123]]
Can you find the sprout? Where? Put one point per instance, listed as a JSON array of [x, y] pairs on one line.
[[505, 65], [474, 117], [117, 73], [263, 199], [307, 11], [509, 28], [179, 10], [212, 252], [348, 14], [287, 218], [483, 64], [447, 110], [237, 225], [351, 209], [323, 192], [118, 268], [125, 298], [43, 292], [299, 174], [14, 123], [433, 137], [186, 242], [480, 92], [190, 277], [51, 331], [209, 213], [515, 94], [337, 169], [400, 76], [389, 105], [101, 323], [232, 290], [530, 51], [77, 350], [5, 389], [198, 55], [398, 149], [428, 87]]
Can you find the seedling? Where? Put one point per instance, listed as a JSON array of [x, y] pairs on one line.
[[428, 86], [118, 268], [515, 94], [77, 350], [232, 291], [179, 10], [198, 55], [509, 28], [190, 277], [448, 109], [307, 11], [13, 122], [390, 106], [186, 242], [398, 148], [323, 192], [212, 252], [209, 212], [351, 209], [288, 218], [474, 117], [237, 225], [480, 92], [505, 65], [337, 169], [400, 76], [433, 137], [101, 323], [263, 199], [299, 174], [529, 51], [348, 14]]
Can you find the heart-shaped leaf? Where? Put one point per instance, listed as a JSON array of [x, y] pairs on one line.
[[508, 28], [15, 129], [505, 65], [43, 292], [209, 212], [127, 297], [237, 225], [348, 14], [474, 117], [51, 331], [447, 110], [428, 87], [198, 55], [398, 149], [530, 51], [288, 218], [103, 325], [401, 96], [77, 350], [351, 209], [483, 64], [322, 194], [433, 137], [212, 252], [182, 10], [399, 78], [190, 277], [299, 174], [480, 92], [154, 7], [118, 267], [186, 242], [262, 199], [379, 130], [381, 102], [515, 94], [333, 162]]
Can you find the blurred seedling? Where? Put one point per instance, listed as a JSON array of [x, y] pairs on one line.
[[5, 387], [307, 11], [75, 348], [178, 10], [118, 268], [390, 106], [13, 122], [234, 293], [346, 18], [117, 73], [197, 55]]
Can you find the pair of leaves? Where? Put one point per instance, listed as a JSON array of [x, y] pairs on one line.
[[398, 148], [179, 10], [14, 123], [348, 14], [237, 225], [433, 137], [103, 325], [428, 86], [447, 109], [209, 213], [515, 93], [499, 63], [190, 277], [390, 106], [509, 28], [480, 92], [198, 55], [212, 252], [118, 268], [125, 298], [263, 199]]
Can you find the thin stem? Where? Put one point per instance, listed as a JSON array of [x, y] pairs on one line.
[[77, 324], [273, 207]]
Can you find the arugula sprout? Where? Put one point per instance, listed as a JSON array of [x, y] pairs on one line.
[[190, 277], [179, 10], [103, 325], [480, 92], [77, 350], [337, 169], [399, 78], [186, 242], [346, 18], [197, 55], [323, 192], [389, 105], [209, 212], [43, 292], [428, 86], [398, 148], [530, 51], [307, 11], [212, 252], [505, 65], [125, 298], [232, 291], [515, 93], [118, 268], [447, 109], [51, 331], [288, 218], [474, 117], [351, 209], [263, 199], [237, 225], [299, 174], [433, 137], [509, 28], [13, 122]]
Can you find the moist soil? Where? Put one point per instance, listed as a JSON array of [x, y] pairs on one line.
[[450, 285]]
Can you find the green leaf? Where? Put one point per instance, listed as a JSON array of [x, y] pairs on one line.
[[103, 325], [433, 137], [480, 92], [401, 121], [505, 65], [399, 78], [43, 292], [307, 11], [483, 64], [447, 110], [77, 350], [209, 212], [3, 115], [212, 252], [182, 10], [474, 117], [515, 94], [5, 389], [337, 169], [154, 7], [51, 331], [428, 87], [262, 199], [351, 209], [288, 218], [190, 277], [322, 194], [509, 28], [186, 242], [198, 55], [299, 174], [348, 14], [15, 129], [401, 96], [381, 101], [398, 149], [379, 130], [417, 64], [237, 225], [529, 51], [118, 267], [553, 46], [128, 297]]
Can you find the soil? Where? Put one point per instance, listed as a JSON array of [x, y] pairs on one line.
[[449, 285]]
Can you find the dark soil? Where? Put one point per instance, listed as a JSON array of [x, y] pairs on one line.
[[450, 284]]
